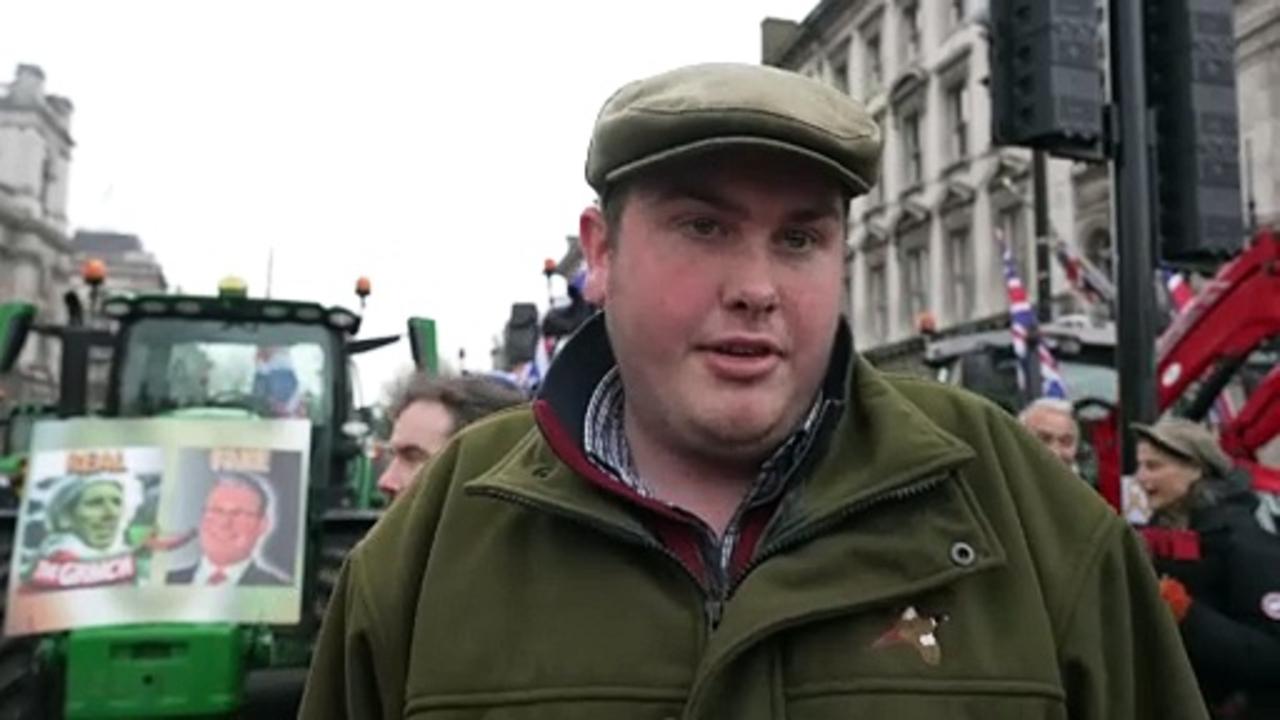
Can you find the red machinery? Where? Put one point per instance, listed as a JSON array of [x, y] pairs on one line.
[[1236, 314]]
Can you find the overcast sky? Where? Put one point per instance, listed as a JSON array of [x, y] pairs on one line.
[[436, 147]]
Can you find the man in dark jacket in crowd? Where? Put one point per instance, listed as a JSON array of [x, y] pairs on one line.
[[716, 509]]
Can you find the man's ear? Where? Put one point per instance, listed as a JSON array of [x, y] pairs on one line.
[[593, 233]]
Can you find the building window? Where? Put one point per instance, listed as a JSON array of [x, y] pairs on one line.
[[915, 282], [840, 67], [910, 31], [956, 13], [958, 120], [876, 195], [960, 273], [874, 68], [912, 157], [878, 300]]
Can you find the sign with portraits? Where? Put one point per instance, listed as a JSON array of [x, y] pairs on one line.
[[160, 520]]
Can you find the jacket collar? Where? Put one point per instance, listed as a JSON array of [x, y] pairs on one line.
[[878, 444]]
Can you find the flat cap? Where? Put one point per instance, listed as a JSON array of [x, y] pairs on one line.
[[701, 107], [1191, 441]]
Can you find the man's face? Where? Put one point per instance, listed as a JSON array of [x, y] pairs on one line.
[[1057, 431], [421, 431], [233, 523], [96, 517], [722, 288]]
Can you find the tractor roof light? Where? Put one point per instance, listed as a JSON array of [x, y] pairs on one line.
[[233, 287], [926, 323], [275, 312], [549, 267], [363, 287], [116, 308], [344, 320], [93, 271], [308, 313]]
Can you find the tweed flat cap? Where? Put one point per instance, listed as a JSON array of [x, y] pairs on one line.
[[1188, 440], [701, 107]]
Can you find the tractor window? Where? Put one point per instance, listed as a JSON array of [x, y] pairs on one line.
[[275, 370], [1086, 380]]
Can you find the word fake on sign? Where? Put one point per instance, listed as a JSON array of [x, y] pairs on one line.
[[90, 462], [240, 460]]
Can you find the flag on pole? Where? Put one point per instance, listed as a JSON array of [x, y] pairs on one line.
[[1083, 276], [1180, 292], [1181, 295], [1022, 322]]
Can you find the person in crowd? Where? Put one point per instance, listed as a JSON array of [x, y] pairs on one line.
[[1220, 572], [427, 410], [1053, 421]]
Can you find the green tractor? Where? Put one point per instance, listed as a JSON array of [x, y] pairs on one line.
[[191, 358]]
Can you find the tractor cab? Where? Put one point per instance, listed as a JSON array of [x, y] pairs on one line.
[[984, 362], [199, 389]]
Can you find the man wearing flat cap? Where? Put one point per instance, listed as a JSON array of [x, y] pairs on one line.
[[714, 508]]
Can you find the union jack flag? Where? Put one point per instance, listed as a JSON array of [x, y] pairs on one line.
[[1022, 322], [1180, 298], [1180, 293]]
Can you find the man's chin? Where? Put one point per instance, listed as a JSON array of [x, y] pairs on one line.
[[740, 438]]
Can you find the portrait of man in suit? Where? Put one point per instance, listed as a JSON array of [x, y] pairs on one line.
[[237, 516]]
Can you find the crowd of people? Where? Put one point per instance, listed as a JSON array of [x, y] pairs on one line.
[[1218, 564]]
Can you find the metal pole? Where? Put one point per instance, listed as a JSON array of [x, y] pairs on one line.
[[1044, 287], [1251, 216], [1135, 239]]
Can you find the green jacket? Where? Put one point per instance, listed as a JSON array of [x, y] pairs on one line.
[[504, 586]]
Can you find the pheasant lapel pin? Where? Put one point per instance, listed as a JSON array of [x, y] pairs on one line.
[[915, 630]]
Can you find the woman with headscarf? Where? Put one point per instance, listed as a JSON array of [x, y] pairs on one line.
[[1220, 572]]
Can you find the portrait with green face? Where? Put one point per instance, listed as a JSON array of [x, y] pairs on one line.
[[94, 516], [87, 516]]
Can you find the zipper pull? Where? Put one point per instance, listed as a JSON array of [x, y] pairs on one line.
[[715, 610]]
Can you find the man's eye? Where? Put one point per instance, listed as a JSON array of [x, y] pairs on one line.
[[798, 240], [703, 227]]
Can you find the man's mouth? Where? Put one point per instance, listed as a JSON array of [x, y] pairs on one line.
[[742, 359], [742, 349]]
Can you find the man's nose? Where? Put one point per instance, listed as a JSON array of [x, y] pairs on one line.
[[750, 285], [390, 483]]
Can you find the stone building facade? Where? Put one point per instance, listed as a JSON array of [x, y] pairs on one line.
[[927, 241], [36, 263]]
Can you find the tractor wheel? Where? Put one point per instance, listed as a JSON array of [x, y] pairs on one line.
[[25, 691], [335, 544]]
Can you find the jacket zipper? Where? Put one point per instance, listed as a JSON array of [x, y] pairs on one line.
[[904, 492], [814, 529]]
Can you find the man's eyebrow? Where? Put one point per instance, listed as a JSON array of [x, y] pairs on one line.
[[676, 193], [814, 213]]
